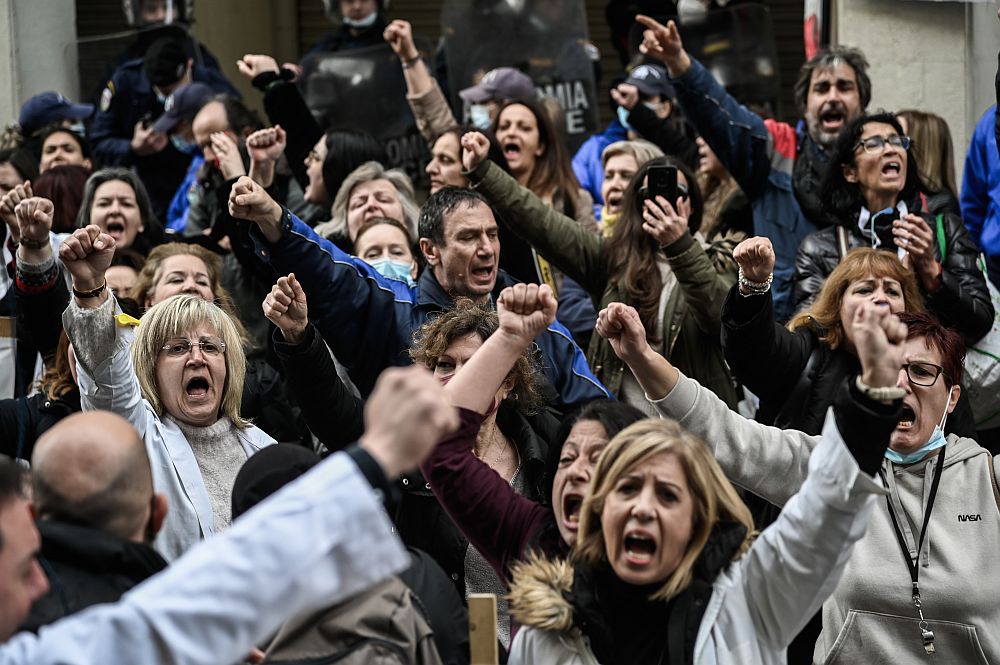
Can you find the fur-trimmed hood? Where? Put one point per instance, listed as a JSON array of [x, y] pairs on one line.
[[538, 593]]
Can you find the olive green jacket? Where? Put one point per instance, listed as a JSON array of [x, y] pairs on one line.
[[692, 315]]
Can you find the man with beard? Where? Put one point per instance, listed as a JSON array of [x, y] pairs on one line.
[[778, 166]]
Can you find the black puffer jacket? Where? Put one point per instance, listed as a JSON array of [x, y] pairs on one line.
[[962, 301]]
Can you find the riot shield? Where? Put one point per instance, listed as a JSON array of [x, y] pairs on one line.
[[364, 90], [545, 38], [737, 45]]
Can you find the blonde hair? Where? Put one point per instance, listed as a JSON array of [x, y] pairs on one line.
[[366, 173], [715, 500], [172, 317], [640, 150], [932, 150], [823, 317], [152, 272]]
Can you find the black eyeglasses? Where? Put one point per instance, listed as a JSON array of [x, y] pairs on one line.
[[923, 374], [874, 144]]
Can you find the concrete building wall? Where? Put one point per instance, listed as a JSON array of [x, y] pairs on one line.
[[37, 52], [234, 28], [932, 56]]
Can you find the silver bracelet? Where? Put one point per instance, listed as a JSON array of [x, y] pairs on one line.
[[748, 288], [886, 395]]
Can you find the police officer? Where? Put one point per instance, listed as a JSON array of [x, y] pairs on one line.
[[122, 131], [152, 20], [361, 24]]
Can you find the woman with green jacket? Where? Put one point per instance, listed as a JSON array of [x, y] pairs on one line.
[[653, 260]]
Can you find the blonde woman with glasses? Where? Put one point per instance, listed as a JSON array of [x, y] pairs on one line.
[[178, 378]]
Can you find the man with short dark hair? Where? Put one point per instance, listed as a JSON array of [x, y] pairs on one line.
[[97, 513], [778, 167], [369, 320], [122, 132], [22, 581]]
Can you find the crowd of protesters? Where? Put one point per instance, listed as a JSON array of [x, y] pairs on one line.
[[713, 389]]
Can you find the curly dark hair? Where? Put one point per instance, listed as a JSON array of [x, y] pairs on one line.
[[432, 340]]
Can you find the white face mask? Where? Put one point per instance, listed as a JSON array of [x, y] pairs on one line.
[[365, 22]]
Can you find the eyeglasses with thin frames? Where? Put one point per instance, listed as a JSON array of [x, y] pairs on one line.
[[209, 346], [876, 144]]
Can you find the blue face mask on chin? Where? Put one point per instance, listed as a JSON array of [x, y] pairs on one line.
[[479, 115], [394, 270], [623, 114], [937, 440], [183, 146]]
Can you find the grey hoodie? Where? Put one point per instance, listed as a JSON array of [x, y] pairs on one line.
[[870, 618]]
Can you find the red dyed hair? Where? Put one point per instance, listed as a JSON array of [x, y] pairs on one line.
[[63, 185], [948, 342]]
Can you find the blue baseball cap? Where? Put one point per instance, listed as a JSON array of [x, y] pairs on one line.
[[49, 107], [183, 104], [651, 80]]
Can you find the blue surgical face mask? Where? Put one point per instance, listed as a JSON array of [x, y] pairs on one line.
[[479, 114], [160, 97], [78, 128], [394, 270], [623, 114], [936, 441], [365, 22], [184, 147]]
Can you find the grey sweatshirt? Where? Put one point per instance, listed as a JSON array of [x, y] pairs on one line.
[[870, 618]]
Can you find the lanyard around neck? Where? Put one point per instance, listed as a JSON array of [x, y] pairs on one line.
[[913, 562]]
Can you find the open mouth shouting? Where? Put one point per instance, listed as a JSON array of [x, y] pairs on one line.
[[571, 504], [197, 389], [483, 274], [906, 420], [116, 228], [639, 548], [614, 200], [892, 168], [511, 151], [832, 118]]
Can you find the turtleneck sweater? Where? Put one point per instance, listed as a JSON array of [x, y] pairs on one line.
[[220, 456]]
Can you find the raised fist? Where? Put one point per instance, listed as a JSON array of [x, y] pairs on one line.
[[526, 310], [87, 254]]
